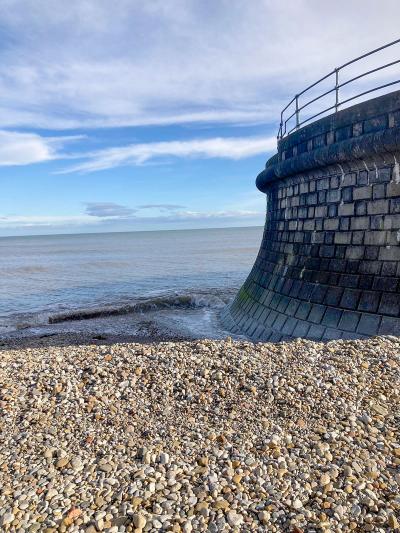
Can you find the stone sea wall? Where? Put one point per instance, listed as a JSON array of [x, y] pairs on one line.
[[329, 262]]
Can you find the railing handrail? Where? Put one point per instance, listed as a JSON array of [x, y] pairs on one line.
[[298, 108]]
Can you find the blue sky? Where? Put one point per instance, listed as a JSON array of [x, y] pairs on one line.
[[137, 115]]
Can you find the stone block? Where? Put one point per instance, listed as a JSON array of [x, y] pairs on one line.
[[389, 268], [378, 207], [357, 129], [321, 211], [301, 329], [346, 210], [375, 238], [361, 208], [386, 284], [369, 301], [349, 321], [333, 296], [389, 326], [389, 253], [347, 194], [355, 252], [377, 222], [379, 191], [334, 183], [369, 324], [303, 310], [375, 124], [349, 280], [331, 224], [333, 196], [343, 237], [316, 332], [391, 222], [349, 180], [362, 178], [318, 293], [332, 210], [332, 317], [350, 299], [362, 193], [359, 223], [289, 326], [395, 205], [357, 238], [390, 304], [316, 313], [344, 224], [392, 189], [279, 322], [292, 307]]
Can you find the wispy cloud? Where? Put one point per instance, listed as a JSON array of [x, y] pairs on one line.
[[93, 63], [137, 154], [166, 207], [22, 221], [108, 221], [108, 210]]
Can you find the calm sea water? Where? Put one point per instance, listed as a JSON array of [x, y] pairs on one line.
[[175, 280]]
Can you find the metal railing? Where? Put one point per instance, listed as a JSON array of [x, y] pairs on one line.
[[298, 107]]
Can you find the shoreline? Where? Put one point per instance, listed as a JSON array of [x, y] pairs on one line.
[[82, 339], [201, 436]]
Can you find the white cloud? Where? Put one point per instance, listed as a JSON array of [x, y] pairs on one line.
[[135, 221], [97, 63], [137, 154], [21, 221], [25, 148]]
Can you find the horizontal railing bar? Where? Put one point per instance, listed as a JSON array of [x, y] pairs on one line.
[[317, 114], [290, 103], [316, 98], [369, 72], [291, 116], [370, 91], [369, 53], [314, 84], [310, 118]]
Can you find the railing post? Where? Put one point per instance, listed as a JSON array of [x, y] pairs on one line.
[[297, 112], [337, 90]]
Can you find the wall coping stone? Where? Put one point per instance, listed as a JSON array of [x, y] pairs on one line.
[[381, 114]]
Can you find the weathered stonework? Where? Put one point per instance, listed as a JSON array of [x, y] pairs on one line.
[[329, 262]]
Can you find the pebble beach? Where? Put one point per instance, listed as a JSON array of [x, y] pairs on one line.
[[201, 436]]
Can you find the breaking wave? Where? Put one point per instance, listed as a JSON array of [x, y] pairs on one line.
[[179, 301]]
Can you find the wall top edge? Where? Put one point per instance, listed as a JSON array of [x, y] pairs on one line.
[[358, 132]]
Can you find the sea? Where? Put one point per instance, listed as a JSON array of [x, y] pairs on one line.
[[168, 284]]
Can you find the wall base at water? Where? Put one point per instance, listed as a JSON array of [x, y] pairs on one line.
[[329, 262]]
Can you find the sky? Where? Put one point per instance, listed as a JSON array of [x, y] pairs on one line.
[[132, 115]]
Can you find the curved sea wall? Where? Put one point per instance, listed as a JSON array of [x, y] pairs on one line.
[[329, 261]]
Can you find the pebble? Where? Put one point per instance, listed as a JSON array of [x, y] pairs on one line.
[[201, 436]]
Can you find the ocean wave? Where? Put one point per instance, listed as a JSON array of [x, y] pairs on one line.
[[179, 301]]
